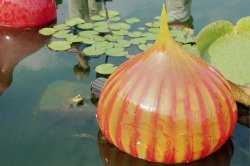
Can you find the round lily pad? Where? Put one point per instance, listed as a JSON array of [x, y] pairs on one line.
[[101, 29], [100, 23], [137, 41], [74, 39], [59, 45], [177, 33], [61, 27], [98, 38], [62, 34], [154, 30], [88, 33], [86, 26], [144, 47], [106, 68], [122, 43], [141, 28], [47, 31], [93, 51], [74, 21], [88, 40], [97, 18], [129, 56], [116, 52], [113, 38], [115, 19], [132, 20], [121, 32], [111, 13], [155, 24], [104, 44], [118, 26], [134, 34]]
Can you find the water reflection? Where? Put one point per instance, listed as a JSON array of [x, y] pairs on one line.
[[16, 45], [111, 156], [84, 8]]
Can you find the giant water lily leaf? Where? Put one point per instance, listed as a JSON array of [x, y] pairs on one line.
[[227, 48], [93, 51], [58, 96], [59, 45], [47, 31], [111, 13], [106, 68], [74, 21]]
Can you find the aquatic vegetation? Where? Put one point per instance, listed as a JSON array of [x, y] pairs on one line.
[[166, 104], [105, 69]]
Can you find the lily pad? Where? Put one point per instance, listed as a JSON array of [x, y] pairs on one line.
[[191, 48], [47, 31], [93, 51], [129, 56], [61, 27], [101, 29], [74, 39], [177, 33], [154, 30], [141, 28], [104, 44], [155, 24], [227, 48], [116, 52], [132, 20], [121, 32], [59, 45], [86, 26], [113, 38], [137, 41], [122, 43], [115, 19], [62, 34], [100, 23], [134, 34], [111, 13], [88, 33], [97, 18], [118, 26], [74, 21], [105, 69], [144, 47]]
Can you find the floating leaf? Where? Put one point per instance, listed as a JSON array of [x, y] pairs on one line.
[[132, 20], [121, 32], [177, 33], [106, 68], [180, 39], [97, 18], [243, 25], [116, 52], [88, 33], [191, 48], [134, 34], [59, 45], [93, 51], [144, 47], [113, 38], [101, 29], [154, 30], [74, 39], [101, 23], [155, 24], [111, 13], [141, 28], [118, 26], [47, 31], [88, 40], [137, 41], [62, 34], [227, 49], [115, 19], [104, 44], [74, 21], [61, 27], [158, 17], [86, 26], [129, 56], [122, 43]]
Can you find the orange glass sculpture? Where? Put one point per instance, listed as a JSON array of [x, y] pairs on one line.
[[167, 105]]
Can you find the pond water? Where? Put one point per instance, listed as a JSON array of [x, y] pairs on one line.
[[37, 125]]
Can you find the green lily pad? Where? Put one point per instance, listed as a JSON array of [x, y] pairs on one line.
[[121, 32], [134, 34], [59, 45], [101, 24], [113, 38], [93, 51], [104, 44], [137, 41], [227, 48], [157, 17], [97, 18], [141, 28], [61, 27], [88, 33], [86, 26], [115, 19], [88, 40], [122, 43], [180, 39], [118, 26], [74, 21], [130, 56], [101, 29], [62, 34], [154, 30], [116, 52], [47, 31], [155, 24], [105, 69], [177, 33], [191, 48], [132, 20], [111, 13], [74, 39], [144, 47], [243, 25]]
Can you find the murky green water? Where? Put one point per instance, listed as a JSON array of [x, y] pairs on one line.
[[37, 128]]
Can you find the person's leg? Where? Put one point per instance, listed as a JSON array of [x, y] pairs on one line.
[[179, 9]]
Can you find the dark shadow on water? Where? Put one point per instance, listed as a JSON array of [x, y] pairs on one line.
[[111, 156], [15, 45]]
